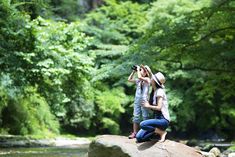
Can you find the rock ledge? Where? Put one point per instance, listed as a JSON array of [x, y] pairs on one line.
[[120, 146]]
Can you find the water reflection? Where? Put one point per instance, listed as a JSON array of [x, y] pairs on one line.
[[71, 151]]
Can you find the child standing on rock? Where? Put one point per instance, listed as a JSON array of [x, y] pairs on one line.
[[142, 89]]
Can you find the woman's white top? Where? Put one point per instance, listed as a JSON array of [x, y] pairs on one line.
[[161, 93]]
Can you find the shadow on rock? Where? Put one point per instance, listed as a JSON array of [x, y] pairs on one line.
[[146, 145]]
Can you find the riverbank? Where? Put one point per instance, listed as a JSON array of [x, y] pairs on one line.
[[222, 148], [63, 151], [30, 145], [7, 141]]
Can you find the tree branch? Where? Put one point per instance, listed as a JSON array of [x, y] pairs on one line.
[[208, 69], [217, 7], [191, 68], [207, 35]]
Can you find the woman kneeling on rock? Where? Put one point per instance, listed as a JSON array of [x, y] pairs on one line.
[[161, 119]]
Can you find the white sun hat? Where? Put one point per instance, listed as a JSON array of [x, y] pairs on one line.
[[159, 78]]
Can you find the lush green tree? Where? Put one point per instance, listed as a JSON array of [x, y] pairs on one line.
[[112, 26], [23, 109], [75, 73], [56, 60], [116, 22], [62, 69], [193, 44], [51, 57]]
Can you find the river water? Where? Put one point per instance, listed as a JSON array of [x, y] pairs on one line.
[[70, 151]]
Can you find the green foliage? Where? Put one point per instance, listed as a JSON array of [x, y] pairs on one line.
[[111, 125], [34, 8], [67, 9], [110, 101], [63, 69], [116, 22], [55, 59], [15, 38], [110, 106], [75, 73], [112, 26], [193, 44], [49, 56], [26, 112], [232, 148]]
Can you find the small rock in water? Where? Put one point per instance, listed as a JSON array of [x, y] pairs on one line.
[[198, 148], [207, 154], [215, 151]]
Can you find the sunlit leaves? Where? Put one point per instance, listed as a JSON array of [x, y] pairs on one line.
[[111, 105]]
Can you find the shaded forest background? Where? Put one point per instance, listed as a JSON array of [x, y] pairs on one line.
[[64, 64]]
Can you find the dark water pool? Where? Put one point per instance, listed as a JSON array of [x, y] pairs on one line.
[[71, 151]]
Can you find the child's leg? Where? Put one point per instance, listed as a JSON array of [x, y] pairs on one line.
[[145, 113], [135, 130], [135, 127], [136, 113], [136, 117]]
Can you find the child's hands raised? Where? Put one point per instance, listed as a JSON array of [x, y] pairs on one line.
[[138, 68]]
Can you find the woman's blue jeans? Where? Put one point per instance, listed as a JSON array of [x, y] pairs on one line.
[[148, 127]]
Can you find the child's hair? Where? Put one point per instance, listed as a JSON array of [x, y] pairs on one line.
[[146, 70], [148, 74]]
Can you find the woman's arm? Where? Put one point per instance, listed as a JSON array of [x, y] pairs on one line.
[[153, 107], [130, 78]]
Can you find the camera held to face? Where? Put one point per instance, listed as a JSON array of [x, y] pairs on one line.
[[134, 67]]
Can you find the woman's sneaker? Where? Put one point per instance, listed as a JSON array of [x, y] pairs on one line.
[[132, 135]]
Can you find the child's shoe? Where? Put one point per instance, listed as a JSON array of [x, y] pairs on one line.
[[132, 135]]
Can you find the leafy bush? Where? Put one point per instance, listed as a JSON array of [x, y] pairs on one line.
[[27, 113], [110, 105]]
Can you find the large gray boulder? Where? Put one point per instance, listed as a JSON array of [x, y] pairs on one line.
[[120, 146]]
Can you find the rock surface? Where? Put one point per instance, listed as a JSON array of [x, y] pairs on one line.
[[119, 146], [215, 151]]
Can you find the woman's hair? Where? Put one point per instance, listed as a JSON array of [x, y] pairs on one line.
[[151, 97], [152, 94], [157, 86]]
